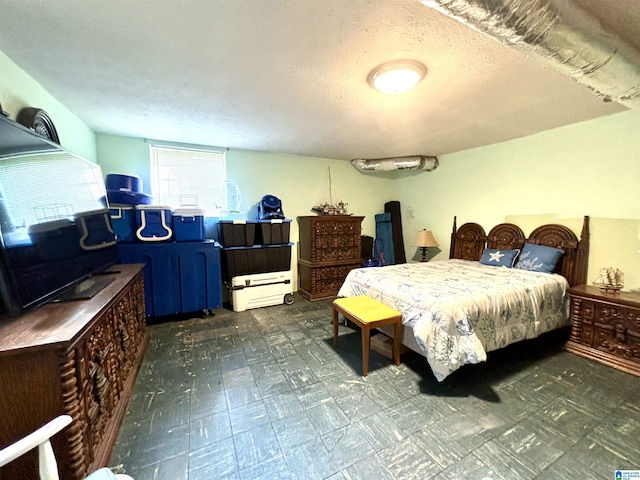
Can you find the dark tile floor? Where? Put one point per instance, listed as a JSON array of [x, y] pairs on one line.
[[262, 394]]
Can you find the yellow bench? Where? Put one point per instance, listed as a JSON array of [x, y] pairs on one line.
[[367, 313]]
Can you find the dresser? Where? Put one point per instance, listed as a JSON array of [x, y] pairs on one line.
[[79, 358], [606, 327], [329, 249]]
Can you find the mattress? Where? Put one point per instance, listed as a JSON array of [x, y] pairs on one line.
[[459, 310]]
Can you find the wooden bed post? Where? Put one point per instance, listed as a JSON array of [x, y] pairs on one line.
[[582, 255], [453, 238]]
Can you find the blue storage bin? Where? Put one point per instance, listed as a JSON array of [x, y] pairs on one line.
[[126, 190], [123, 219], [121, 181], [153, 223], [128, 198], [188, 225], [178, 277]]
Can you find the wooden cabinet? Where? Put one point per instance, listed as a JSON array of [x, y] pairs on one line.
[[80, 358], [329, 249], [606, 327]]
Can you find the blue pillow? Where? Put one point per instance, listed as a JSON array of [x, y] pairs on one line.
[[538, 258], [499, 258]]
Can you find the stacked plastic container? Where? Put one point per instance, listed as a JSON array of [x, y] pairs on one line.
[[135, 220], [126, 190], [132, 215], [124, 193], [182, 272], [188, 220], [256, 262]]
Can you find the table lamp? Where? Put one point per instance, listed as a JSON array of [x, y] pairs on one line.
[[424, 239]]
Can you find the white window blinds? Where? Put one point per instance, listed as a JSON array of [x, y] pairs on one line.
[[187, 176]]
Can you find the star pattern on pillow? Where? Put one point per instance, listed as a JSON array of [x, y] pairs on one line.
[[499, 258], [496, 256]]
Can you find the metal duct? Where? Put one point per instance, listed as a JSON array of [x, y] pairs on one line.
[[415, 162], [563, 34]]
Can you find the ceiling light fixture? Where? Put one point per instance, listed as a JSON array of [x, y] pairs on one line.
[[396, 77]]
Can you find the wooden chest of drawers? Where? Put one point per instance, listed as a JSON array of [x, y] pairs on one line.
[[78, 358], [329, 249], [606, 327]]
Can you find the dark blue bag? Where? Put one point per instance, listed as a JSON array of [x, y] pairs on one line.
[[384, 239]]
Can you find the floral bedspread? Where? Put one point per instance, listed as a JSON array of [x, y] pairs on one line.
[[460, 310]]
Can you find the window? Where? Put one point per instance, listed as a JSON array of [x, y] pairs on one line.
[[182, 176]]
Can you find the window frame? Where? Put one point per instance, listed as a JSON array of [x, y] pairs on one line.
[[188, 181]]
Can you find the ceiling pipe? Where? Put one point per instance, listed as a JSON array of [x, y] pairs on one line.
[[563, 34], [413, 162]]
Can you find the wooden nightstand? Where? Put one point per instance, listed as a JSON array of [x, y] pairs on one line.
[[606, 327]]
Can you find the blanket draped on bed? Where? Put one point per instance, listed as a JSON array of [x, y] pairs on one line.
[[460, 310]]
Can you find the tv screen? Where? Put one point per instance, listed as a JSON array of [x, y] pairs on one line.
[[55, 226]]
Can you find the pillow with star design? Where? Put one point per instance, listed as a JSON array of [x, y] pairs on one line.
[[499, 258]]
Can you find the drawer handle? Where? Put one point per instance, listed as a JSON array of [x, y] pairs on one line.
[[621, 333]]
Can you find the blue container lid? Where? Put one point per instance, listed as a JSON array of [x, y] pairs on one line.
[[128, 198], [124, 182]]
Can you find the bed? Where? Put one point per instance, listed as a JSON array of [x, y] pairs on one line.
[[455, 311]]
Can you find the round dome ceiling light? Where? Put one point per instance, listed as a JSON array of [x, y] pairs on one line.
[[396, 77]]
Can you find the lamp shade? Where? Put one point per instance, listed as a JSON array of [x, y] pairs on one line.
[[424, 238]]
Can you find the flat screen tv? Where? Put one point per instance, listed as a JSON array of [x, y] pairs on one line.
[[55, 229]]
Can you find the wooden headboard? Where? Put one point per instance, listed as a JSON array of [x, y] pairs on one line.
[[469, 241]]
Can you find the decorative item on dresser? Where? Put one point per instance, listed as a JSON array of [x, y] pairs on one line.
[[610, 279], [77, 358], [606, 327], [330, 247]]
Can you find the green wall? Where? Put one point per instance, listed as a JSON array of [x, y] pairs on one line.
[[300, 182], [18, 90], [558, 176]]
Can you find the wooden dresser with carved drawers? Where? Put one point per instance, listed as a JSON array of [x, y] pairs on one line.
[[329, 248], [79, 358], [606, 327]]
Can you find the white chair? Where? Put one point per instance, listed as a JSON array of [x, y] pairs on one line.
[[46, 458]]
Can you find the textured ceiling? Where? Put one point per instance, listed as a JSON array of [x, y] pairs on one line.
[[290, 75]]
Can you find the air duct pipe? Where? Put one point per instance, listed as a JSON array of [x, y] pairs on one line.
[[565, 35], [415, 162]]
